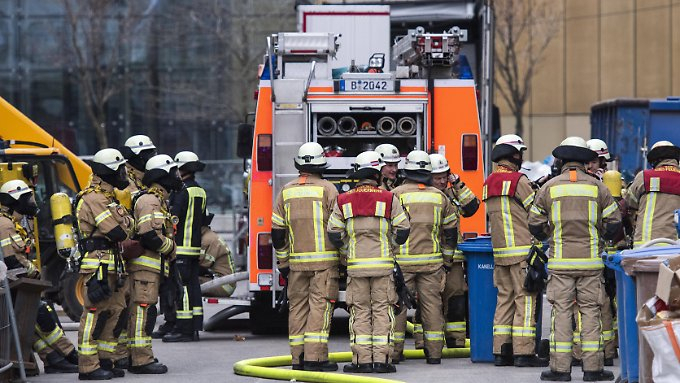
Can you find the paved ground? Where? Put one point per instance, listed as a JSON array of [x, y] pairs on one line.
[[211, 359]]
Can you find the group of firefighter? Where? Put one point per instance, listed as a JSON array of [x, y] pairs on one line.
[[395, 236], [143, 229]]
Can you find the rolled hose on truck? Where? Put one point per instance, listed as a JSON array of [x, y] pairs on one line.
[[262, 367]]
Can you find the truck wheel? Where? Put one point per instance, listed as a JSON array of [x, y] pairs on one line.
[[265, 320], [71, 294]]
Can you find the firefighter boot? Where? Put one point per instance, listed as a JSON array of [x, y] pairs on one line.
[[151, 368], [383, 368], [301, 365], [361, 368], [107, 364], [505, 357], [72, 357], [555, 376], [122, 363], [608, 362], [56, 364], [530, 361], [175, 337], [163, 329], [596, 376], [98, 374], [320, 366]]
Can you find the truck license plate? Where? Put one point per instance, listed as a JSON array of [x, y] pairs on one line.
[[366, 85]]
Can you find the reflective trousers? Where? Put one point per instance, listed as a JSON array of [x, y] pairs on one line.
[[371, 301], [49, 336], [514, 321], [428, 287], [189, 301], [608, 331], [453, 299], [584, 288], [143, 294], [311, 300], [95, 335]]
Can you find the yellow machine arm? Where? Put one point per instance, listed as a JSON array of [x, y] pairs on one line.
[[16, 126]]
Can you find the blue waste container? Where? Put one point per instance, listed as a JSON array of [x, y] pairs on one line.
[[626, 295], [482, 296]]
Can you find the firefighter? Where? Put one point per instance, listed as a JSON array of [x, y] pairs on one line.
[[598, 166], [574, 212], [102, 224], [137, 150], [215, 261], [366, 221], [155, 233], [425, 257], [390, 171], [52, 346], [508, 196], [454, 292], [307, 259], [654, 195], [189, 206]]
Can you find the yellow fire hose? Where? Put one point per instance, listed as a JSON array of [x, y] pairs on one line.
[[262, 367]]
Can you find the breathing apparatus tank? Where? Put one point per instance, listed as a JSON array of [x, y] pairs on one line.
[[62, 219], [612, 180]]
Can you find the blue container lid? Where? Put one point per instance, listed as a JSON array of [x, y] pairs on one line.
[[613, 261], [481, 244]]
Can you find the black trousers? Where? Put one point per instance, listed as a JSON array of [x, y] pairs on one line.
[[189, 302]]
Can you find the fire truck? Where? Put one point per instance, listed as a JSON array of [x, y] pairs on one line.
[[423, 104]]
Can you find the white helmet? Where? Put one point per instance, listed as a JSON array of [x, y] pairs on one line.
[[599, 147], [418, 160], [574, 149], [439, 163], [189, 161], [507, 146], [369, 159], [513, 140], [109, 158], [161, 162], [663, 150], [15, 188], [389, 153], [138, 143], [310, 155]]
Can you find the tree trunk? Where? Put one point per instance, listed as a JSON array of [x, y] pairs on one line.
[[519, 124]]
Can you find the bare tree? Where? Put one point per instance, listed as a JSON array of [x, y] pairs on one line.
[[97, 40], [524, 29]]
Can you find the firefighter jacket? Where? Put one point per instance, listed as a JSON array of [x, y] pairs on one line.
[[188, 206], [301, 215], [155, 231], [215, 254], [432, 217], [102, 224], [467, 204], [653, 197], [135, 180], [369, 220], [508, 196], [575, 212], [15, 242]]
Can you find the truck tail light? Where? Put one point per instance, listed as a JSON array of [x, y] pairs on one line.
[[264, 251], [469, 150], [264, 152]]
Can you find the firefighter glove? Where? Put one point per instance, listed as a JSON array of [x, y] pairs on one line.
[[98, 286]]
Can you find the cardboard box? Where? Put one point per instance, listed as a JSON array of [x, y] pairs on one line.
[[668, 283]]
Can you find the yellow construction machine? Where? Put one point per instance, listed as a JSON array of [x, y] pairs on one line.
[[29, 153]]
